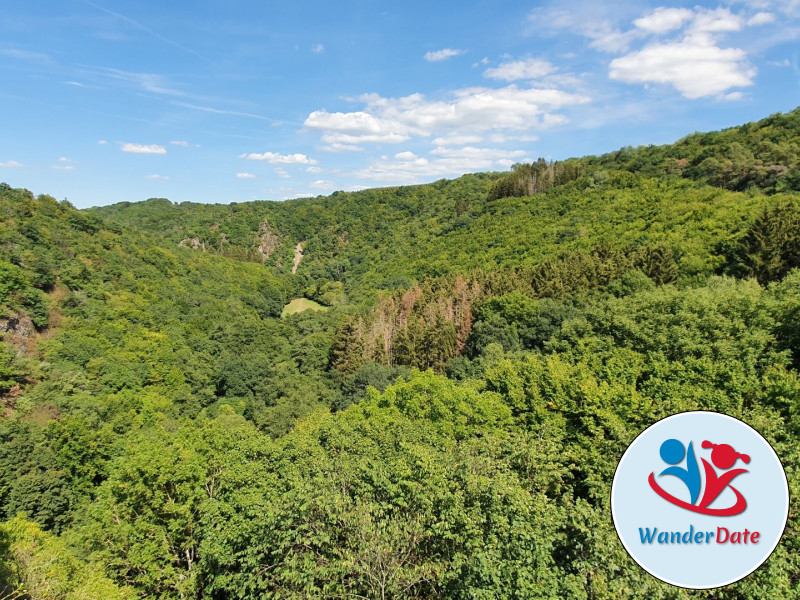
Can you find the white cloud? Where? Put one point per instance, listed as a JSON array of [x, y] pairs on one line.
[[102, 142], [321, 184], [245, 176], [531, 68], [339, 147], [406, 166], [695, 66], [477, 109], [144, 149], [507, 162], [663, 20], [695, 62], [281, 172], [761, 18], [467, 112], [348, 129], [318, 49], [786, 8], [63, 167], [618, 28], [612, 40], [286, 193], [281, 159], [313, 170], [10, 164], [601, 23], [715, 21], [157, 177], [457, 140], [757, 3], [473, 153], [64, 159], [499, 138], [443, 54], [396, 171], [182, 143], [593, 20]]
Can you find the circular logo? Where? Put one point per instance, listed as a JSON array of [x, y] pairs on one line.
[[699, 500]]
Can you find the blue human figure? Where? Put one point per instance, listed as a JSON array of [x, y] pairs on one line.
[[672, 452]]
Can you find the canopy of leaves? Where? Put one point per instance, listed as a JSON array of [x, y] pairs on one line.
[[450, 425]]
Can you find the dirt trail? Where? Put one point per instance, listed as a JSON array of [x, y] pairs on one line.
[[298, 256]]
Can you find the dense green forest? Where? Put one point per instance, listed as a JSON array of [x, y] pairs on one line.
[[446, 422]]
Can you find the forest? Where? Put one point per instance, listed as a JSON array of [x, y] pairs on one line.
[[177, 423]]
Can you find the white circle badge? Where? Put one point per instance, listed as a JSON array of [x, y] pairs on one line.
[[700, 500]]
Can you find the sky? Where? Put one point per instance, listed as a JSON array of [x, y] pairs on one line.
[[105, 101]]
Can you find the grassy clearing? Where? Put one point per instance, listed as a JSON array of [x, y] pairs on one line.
[[298, 305]]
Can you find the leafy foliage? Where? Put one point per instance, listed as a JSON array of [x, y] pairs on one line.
[[770, 247], [763, 155], [447, 428]]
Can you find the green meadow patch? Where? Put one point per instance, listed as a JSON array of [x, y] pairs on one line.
[[299, 305]]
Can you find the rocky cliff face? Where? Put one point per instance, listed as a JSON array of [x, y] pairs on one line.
[[194, 243], [19, 330], [268, 241], [298, 256]]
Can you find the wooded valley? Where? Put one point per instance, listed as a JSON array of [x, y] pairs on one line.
[[445, 422]]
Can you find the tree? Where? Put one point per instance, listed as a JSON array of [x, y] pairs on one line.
[[347, 352], [770, 247]]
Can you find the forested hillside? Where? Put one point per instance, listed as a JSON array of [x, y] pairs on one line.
[[450, 425]]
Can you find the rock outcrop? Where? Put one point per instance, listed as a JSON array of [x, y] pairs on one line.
[[298, 256], [194, 243], [268, 241]]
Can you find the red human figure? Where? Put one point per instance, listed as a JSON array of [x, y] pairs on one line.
[[724, 457]]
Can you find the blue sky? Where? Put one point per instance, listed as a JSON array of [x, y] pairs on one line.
[[212, 101]]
